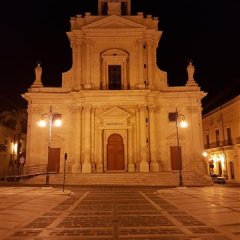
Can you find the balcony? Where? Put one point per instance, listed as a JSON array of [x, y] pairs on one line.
[[227, 142], [217, 144]]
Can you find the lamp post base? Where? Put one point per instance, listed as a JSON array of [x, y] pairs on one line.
[[180, 179], [47, 181]]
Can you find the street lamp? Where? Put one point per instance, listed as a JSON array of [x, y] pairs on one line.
[[180, 122], [50, 119]]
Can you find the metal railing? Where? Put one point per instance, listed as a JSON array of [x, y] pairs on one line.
[[217, 144], [15, 172]]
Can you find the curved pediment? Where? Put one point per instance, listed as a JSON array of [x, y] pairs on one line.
[[113, 22], [114, 52]]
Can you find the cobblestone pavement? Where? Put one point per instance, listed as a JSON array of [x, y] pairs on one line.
[[133, 213]]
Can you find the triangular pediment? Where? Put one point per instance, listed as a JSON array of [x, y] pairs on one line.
[[113, 22], [115, 112], [174, 136]]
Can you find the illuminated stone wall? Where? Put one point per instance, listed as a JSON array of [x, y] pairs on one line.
[[222, 127], [138, 112]]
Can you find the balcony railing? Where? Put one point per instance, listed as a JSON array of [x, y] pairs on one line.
[[15, 172], [224, 143]]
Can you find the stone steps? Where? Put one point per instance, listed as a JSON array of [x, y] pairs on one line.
[[122, 179]]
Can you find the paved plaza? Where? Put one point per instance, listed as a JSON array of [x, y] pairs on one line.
[[134, 213]]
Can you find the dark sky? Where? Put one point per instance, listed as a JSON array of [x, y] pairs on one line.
[[207, 31]]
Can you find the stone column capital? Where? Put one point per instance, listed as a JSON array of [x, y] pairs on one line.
[[87, 108], [142, 107], [152, 108]]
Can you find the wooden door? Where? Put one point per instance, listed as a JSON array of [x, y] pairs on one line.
[[54, 160], [176, 158], [115, 153]]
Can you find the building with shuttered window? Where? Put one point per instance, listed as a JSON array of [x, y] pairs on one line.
[[221, 129]]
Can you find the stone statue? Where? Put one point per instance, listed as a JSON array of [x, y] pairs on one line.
[[190, 70], [38, 72]]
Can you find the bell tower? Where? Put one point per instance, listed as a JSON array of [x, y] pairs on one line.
[[114, 7]]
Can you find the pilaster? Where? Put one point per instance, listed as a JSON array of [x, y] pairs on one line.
[[153, 156], [144, 166], [149, 61], [86, 166], [131, 167], [141, 84]]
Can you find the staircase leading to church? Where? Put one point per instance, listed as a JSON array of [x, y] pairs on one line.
[[169, 179]]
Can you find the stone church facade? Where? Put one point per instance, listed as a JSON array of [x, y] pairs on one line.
[[115, 102]]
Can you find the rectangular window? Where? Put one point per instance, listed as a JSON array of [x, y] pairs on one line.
[[124, 8], [207, 141], [114, 74], [217, 138], [229, 136], [104, 8], [172, 117]]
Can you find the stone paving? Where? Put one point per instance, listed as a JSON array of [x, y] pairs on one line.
[[126, 213]]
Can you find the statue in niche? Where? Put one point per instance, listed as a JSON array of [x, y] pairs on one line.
[[190, 70], [38, 72]]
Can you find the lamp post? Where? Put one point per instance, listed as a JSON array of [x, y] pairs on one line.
[[180, 121], [49, 119]]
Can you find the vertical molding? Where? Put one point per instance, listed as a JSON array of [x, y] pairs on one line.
[[153, 154], [144, 167], [141, 84], [149, 61], [130, 151], [79, 64], [86, 166]]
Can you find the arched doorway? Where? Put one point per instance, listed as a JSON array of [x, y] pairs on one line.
[[115, 153]]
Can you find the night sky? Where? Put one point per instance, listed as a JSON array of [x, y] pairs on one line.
[[206, 31]]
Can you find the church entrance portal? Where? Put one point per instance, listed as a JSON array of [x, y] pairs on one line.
[[115, 153]]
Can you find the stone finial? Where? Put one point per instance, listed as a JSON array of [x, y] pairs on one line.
[[38, 76], [191, 71]]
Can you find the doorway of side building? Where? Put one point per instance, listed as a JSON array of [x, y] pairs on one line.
[[115, 153], [176, 158], [54, 160]]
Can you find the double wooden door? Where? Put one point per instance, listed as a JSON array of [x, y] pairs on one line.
[[54, 160], [115, 153]]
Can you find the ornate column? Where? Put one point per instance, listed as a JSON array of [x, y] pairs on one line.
[[154, 64], [153, 151], [103, 77], [100, 146], [76, 168], [87, 84], [74, 47], [141, 84], [86, 165], [149, 62], [124, 74], [144, 166], [79, 64], [130, 151]]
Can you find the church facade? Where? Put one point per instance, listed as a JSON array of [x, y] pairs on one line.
[[118, 112]]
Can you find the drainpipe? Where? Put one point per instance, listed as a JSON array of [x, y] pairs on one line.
[[223, 151]]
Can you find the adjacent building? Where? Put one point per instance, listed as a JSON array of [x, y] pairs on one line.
[[118, 112], [9, 149], [222, 140]]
